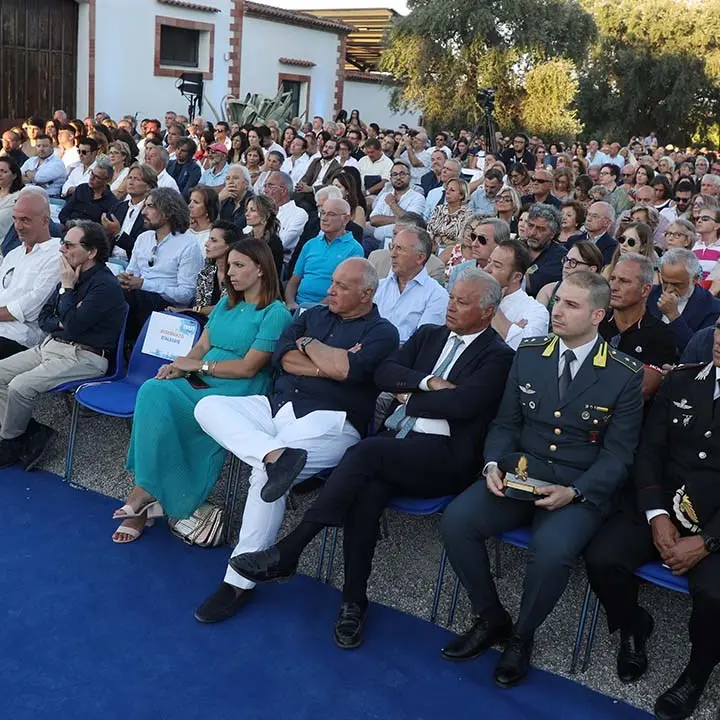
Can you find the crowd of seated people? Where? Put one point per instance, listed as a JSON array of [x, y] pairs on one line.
[[412, 316]]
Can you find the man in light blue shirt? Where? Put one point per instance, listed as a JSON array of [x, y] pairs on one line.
[[408, 297], [214, 176], [165, 260], [320, 256], [483, 199], [45, 169]]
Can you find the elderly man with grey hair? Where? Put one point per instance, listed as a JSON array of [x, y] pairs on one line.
[[710, 185], [448, 380], [321, 404], [279, 187], [543, 227], [235, 194], [92, 199], [158, 158], [679, 301], [599, 226]]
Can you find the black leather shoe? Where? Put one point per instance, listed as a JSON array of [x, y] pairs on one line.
[[282, 473], [349, 626], [481, 636], [36, 444], [263, 566], [222, 604], [632, 656], [514, 663], [681, 699]]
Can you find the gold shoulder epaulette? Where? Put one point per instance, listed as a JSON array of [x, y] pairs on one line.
[[539, 341], [629, 362]]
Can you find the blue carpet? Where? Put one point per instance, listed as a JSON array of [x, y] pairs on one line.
[[95, 631]]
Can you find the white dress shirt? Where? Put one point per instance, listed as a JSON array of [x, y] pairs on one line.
[[324, 165], [382, 167], [411, 201], [78, 176], [165, 179], [27, 279], [423, 301], [175, 265], [296, 168], [436, 426], [292, 223], [519, 306], [432, 199], [70, 158]]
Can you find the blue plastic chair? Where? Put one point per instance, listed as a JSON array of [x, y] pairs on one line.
[[654, 572], [117, 397], [115, 371], [409, 506]]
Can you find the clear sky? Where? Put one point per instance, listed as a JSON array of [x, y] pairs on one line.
[[398, 5]]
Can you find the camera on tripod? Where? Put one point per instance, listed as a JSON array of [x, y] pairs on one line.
[[486, 98]]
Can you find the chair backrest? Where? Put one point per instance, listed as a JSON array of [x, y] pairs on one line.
[[142, 366], [116, 366]]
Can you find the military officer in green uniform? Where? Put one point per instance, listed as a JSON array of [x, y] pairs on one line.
[[677, 478], [572, 409]]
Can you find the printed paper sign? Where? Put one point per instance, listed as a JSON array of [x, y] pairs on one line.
[[169, 336]]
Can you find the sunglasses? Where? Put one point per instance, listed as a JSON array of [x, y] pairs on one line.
[[153, 256], [631, 242], [84, 152], [706, 218], [536, 179], [476, 237]]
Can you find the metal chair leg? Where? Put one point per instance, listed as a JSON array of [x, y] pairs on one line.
[[453, 602], [231, 495], [438, 586], [71, 439], [331, 556], [292, 502], [580, 631], [591, 634], [321, 557], [498, 558]]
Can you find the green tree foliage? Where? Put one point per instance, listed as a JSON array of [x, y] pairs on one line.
[[444, 51], [655, 66], [547, 106]]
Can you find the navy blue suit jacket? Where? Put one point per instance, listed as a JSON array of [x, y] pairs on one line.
[[606, 244], [479, 374], [701, 311]]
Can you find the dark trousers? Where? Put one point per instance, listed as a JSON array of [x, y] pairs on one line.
[[558, 538], [142, 304], [622, 545], [368, 477], [10, 347]]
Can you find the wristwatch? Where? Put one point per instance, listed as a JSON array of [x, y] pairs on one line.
[[204, 368], [712, 544], [579, 497], [305, 342]]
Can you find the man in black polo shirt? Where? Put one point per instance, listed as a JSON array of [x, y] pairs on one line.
[[92, 199], [321, 404], [83, 317], [630, 327], [543, 226]]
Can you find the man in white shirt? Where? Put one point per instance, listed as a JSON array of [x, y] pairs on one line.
[[296, 165], [28, 274], [279, 186], [518, 316], [44, 170], [408, 297], [375, 164], [165, 260], [413, 150], [158, 158], [67, 151], [389, 206], [87, 150]]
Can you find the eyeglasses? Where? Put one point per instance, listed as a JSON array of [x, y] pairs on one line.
[[84, 152], [65, 243], [439, 139], [678, 235], [681, 199], [631, 242], [706, 218], [605, 172], [476, 237], [327, 214], [572, 263], [153, 255], [398, 174], [504, 198]]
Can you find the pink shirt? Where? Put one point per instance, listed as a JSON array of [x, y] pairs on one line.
[[708, 255]]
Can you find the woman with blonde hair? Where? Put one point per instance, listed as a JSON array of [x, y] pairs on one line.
[[120, 158], [447, 220], [636, 237], [507, 208]]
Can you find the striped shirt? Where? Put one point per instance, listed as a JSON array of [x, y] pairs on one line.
[[708, 255]]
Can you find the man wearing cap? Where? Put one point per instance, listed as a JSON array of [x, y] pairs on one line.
[[676, 520], [214, 176], [563, 441]]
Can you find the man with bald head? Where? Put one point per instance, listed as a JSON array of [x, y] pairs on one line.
[[448, 381], [599, 224], [320, 256], [541, 182], [28, 274], [321, 403]]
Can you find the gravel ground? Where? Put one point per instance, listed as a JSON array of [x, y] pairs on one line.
[[406, 564]]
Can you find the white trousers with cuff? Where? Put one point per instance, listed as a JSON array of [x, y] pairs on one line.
[[245, 427]]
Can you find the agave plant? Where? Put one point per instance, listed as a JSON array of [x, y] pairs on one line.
[[256, 109]]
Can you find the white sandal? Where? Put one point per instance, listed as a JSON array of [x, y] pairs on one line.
[[153, 510], [133, 532]]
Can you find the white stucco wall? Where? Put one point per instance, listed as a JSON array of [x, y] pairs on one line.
[[124, 58], [373, 102], [264, 41]]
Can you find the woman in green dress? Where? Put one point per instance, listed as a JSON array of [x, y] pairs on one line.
[[175, 463]]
